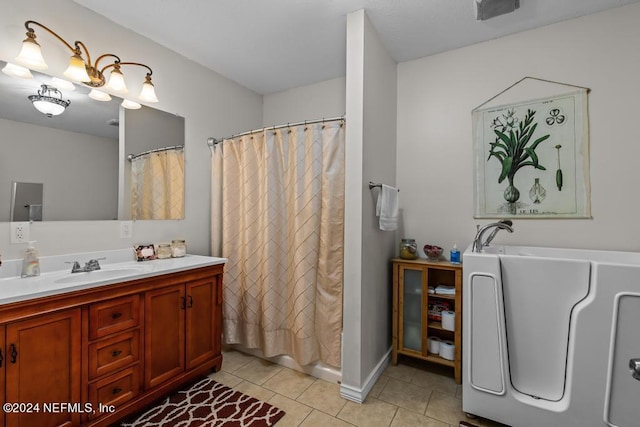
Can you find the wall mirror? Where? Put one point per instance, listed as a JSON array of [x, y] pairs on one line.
[[81, 156]]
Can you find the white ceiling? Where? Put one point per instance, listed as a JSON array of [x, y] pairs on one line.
[[272, 45]]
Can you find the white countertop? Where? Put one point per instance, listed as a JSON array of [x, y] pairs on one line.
[[119, 266]]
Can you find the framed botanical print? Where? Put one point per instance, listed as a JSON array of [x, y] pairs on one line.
[[532, 158]]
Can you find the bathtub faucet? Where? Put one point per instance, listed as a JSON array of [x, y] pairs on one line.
[[478, 244]]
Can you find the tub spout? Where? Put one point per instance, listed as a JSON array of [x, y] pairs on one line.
[[478, 243]]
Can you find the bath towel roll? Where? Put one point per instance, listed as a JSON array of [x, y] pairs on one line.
[[433, 345], [447, 350], [449, 320], [387, 208]]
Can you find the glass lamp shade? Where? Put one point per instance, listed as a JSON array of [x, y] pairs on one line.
[[47, 104], [77, 70], [98, 95], [131, 105], [14, 70], [116, 82], [31, 56], [49, 108], [148, 93], [62, 84]]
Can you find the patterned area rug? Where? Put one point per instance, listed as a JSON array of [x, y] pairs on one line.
[[208, 404]]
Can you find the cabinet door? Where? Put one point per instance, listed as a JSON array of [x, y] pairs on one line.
[[202, 343], [43, 367], [412, 309], [164, 334]]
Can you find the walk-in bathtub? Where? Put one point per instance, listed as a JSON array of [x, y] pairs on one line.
[[551, 336]]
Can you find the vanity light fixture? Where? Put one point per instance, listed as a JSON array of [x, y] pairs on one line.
[[14, 70], [46, 103], [130, 105], [99, 95], [80, 70], [62, 84]]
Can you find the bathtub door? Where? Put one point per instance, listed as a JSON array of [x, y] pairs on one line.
[[539, 297]]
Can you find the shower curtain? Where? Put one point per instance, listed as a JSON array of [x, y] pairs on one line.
[[157, 185], [278, 216]]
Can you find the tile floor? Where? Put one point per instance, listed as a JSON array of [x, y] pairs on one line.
[[409, 394]]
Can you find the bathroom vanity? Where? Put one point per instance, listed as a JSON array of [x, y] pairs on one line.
[[93, 348]]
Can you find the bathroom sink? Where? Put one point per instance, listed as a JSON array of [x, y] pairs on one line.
[[104, 274]]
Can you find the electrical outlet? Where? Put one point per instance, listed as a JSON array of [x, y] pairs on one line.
[[20, 232], [126, 229]]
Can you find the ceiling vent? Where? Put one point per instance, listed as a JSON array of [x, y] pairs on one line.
[[486, 9]]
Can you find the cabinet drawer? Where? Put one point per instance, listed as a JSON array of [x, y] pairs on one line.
[[113, 316], [109, 354], [115, 389]]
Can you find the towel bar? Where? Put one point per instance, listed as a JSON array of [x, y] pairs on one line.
[[374, 185]]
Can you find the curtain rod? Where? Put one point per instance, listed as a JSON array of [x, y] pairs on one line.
[[173, 147], [212, 141]]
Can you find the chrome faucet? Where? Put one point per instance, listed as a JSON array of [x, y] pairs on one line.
[[478, 244], [91, 265]]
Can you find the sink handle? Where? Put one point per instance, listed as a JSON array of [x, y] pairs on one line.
[[634, 365]]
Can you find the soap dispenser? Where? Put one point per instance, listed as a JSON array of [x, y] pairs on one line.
[[454, 255], [31, 261]]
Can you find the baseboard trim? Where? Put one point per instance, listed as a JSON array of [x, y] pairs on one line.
[[358, 395]]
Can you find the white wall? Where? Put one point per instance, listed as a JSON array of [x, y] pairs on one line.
[[435, 159], [211, 105], [370, 155], [321, 100], [90, 165]]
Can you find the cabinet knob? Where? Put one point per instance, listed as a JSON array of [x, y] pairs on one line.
[[1, 359], [116, 315], [190, 301], [116, 390], [116, 353]]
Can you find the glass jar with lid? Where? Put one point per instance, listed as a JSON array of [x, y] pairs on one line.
[[408, 249], [163, 251], [178, 248]]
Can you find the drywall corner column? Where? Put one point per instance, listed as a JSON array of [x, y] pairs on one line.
[[371, 89], [352, 315]]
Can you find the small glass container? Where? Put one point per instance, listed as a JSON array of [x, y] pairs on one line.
[[408, 249], [163, 251], [178, 248]]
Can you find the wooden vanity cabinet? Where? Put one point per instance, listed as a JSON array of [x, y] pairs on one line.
[[42, 366], [190, 314], [116, 348], [114, 352]]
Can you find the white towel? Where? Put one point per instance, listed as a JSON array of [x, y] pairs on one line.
[[387, 208]]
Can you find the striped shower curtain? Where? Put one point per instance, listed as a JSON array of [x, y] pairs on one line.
[[278, 216], [157, 185]]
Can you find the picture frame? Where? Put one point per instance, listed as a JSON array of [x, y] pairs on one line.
[[145, 252], [531, 157]]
